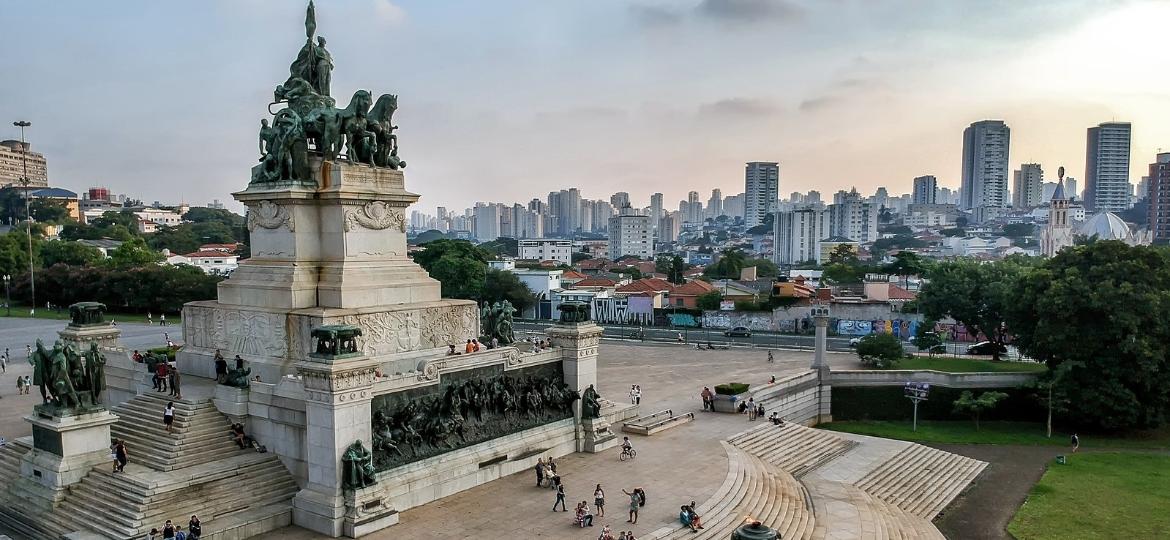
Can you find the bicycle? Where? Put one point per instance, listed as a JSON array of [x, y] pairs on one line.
[[627, 453]]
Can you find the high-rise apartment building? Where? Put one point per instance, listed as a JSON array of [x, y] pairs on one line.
[[1107, 185], [630, 234], [15, 158], [1159, 195], [1028, 186], [925, 190], [715, 204], [669, 227], [797, 234], [733, 205], [656, 206], [761, 191], [1071, 189], [487, 222], [602, 211], [620, 199], [813, 197], [853, 218], [985, 165]]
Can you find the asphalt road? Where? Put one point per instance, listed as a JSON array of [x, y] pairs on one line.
[[703, 336]]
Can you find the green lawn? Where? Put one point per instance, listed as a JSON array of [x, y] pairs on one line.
[[21, 312], [1099, 495], [967, 365], [1018, 433]]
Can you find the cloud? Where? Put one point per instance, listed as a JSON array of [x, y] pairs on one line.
[[739, 107], [388, 12], [819, 102], [749, 10], [654, 15]]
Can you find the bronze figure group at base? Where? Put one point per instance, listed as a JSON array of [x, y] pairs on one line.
[[364, 128], [68, 380]]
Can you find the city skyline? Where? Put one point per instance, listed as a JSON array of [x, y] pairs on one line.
[[531, 99]]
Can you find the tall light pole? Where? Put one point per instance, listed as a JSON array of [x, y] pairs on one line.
[[24, 180], [7, 297]]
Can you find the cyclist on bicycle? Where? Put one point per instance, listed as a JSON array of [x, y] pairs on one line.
[[770, 357], [626, 446]]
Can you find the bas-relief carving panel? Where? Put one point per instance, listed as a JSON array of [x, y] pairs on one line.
[[393, 332], [254, 333]]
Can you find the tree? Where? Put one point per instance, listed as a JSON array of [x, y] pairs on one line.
[[897, 229], [927, 339], [1019, 230], [729, 265], [13, 254], [709, 300], [68, 253], [954, 231], [133, 253], [906, 263], [180, 239], [502, 246], [673, 266], [1099, 309], [975, 406], [764, 267], [578, 257], [428, 236], [459, 266], [49, 211], [880, 350], [502, 285], [976, 295]]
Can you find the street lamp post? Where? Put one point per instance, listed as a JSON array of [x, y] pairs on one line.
[[916, 392], [24, 180], [7, 297]]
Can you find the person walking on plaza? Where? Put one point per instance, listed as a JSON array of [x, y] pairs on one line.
[[4, 362], [771, 359], [27, 384], [169, 415], [599, 500], [149, 320], [173, 373], [560, 499], [121, 455], [19, 385], [161, 373], [220, 367], [707, 396], [1076, 442], [539, 471], [637, 394], [637, 500], [633, 394], [162, 319]]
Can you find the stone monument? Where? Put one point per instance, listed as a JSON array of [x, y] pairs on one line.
[[580, 337], [87, 324]]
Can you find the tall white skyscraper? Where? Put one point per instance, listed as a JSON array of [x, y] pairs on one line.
[[798, 233], [715, 204], [733, 205], [1028, 186], [985, 165], [1070, 188], [1107, 185], [487, 222], [630, 234], [925, 190], [619, 200], [761, 191], [656, 206], [853, 218]]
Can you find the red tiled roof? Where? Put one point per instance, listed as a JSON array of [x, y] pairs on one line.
[[573, 274], [694, 287], [595, 282], [898, 293], [646, 285]]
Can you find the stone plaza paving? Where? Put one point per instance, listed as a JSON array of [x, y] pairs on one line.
[[674, 467]]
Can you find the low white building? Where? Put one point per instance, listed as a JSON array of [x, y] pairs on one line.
[[545, 249], [542, 283], [213, 262]]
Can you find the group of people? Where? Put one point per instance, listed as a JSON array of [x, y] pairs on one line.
[[221, 367], [162, 319], [689, 517], [750, 408], [636, 394], [546, 475], [172, 531], [607, 534]]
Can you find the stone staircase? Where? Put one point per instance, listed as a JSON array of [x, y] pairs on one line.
[[846, 511], [756, 489], [921, 480], [200, 433], [196, 470], [792, 447]]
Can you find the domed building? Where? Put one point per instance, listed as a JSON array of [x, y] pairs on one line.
[[1107, 226]]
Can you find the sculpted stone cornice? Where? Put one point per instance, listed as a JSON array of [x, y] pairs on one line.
[[375, 215], [269, 215], [332, 383]]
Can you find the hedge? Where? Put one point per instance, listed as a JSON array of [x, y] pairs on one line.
[[888, 403], [731, 389]]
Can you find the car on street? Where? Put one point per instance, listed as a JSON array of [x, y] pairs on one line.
[[738, 331], [985, 348], [854, 341]]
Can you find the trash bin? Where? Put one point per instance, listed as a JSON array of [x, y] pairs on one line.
[[1061, 460]]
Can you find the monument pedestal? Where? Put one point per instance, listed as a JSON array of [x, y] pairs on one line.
[[105, 335], [367, 510], [580, 341], [597, 435], [64, 450]]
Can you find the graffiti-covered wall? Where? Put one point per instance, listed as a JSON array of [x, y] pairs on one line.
[[624, 310]]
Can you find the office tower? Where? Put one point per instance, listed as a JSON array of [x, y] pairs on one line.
[[797, 234], [587, 215], [1028, 186], [715, 204], [441, 213], [669, 227], [1107, 168], [985, 165], [656, 206], [487, 222], [620, 199], [1142, 190], [881, 198], [925, 190], [733, 205], [853, 218], [1159, 195], [761, 191], [1070, 188], [16, 158], [813, 197], [630, 234], [602, 211]]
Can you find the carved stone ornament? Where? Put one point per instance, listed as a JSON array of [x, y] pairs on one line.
[[269, 215], [375, 215]]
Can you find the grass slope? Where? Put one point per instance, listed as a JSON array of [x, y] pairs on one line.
[[1099, 495], [1016, 433]]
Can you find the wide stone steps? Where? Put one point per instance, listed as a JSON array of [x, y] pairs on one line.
[[922, 480], [752, 489], [124, 506], [15, 514], [200, 434], [792, 447], [848, 511]]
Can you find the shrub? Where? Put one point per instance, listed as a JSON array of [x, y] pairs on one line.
[[731, 389], [880, 351]]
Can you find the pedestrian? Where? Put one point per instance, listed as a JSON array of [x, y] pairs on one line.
[[121, 455], [560, 499], [599, 500], [149, 320], [168, 530], [114, 454], [169, 415], [167, 337], [606, 533], [638, 395], [153, 534], [751, 408], [161, 373], [19, 385], [173, 373], [195, 528], [1076, 442], [137, 356], [239, 363], [220, 367], [539, 471], [27, 384], [28, 350], [162, 319], [707, 395], [633, 394], [637, 500], [4, 361], [771, 359]]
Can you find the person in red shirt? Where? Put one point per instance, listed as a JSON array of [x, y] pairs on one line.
[[161, 373]]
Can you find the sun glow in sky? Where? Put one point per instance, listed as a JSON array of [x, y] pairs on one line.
[[505, 101]]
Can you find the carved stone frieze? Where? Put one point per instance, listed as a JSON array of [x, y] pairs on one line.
[[375, 215], [269, 215]]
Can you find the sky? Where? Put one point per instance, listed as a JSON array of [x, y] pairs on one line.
[[507, 100]]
